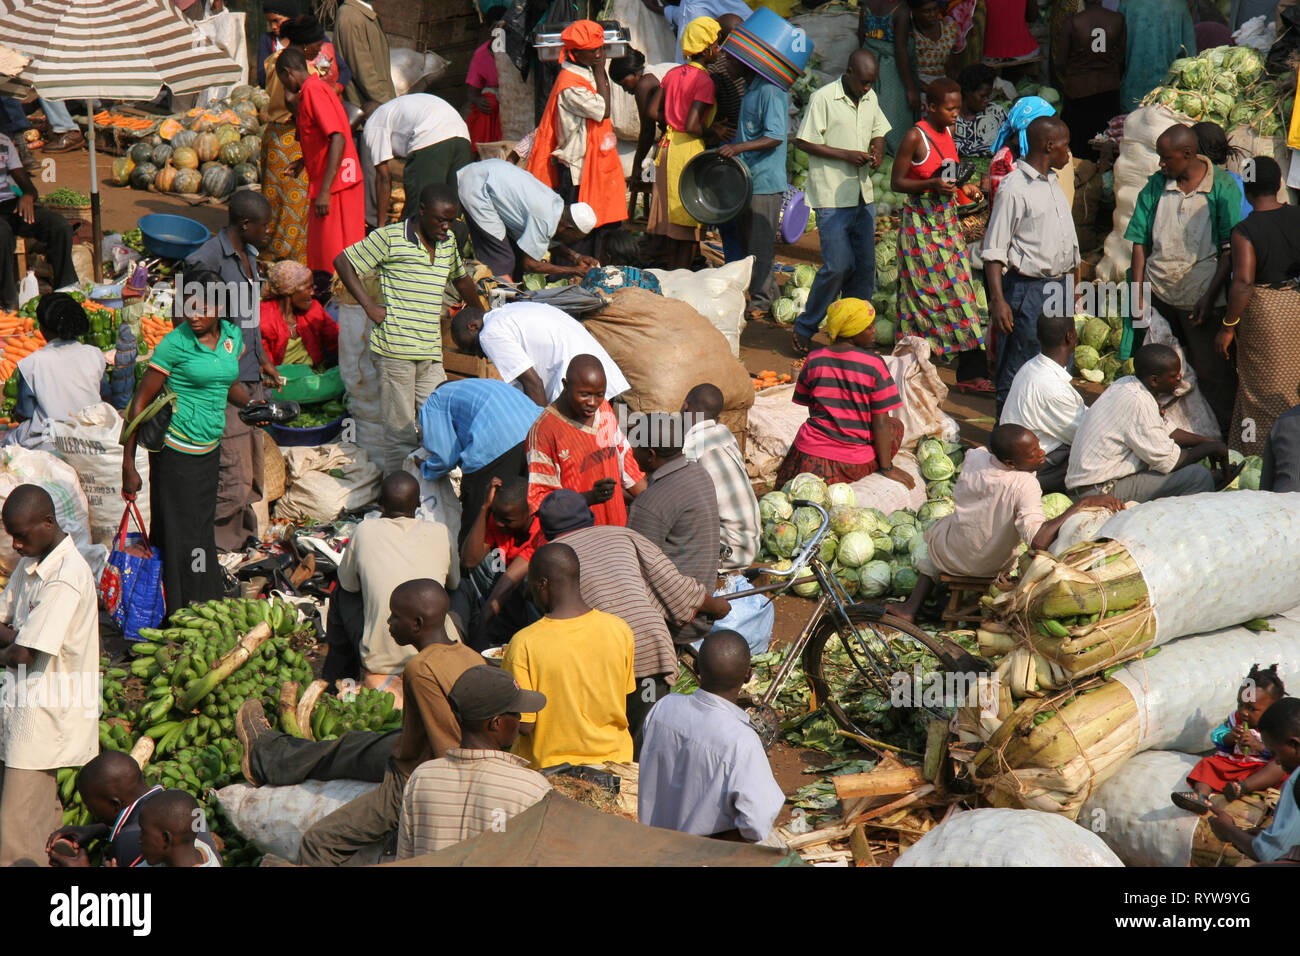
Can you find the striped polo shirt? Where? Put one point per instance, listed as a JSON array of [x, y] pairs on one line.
[[412, 285], [843, 389]]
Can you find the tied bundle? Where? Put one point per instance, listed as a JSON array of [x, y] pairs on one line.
[[1225, 85]]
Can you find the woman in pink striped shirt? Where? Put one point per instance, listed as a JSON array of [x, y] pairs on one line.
[[849, 392]]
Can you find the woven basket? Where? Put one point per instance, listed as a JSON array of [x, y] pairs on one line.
[[272, 469], [973, 227], [70, 213]]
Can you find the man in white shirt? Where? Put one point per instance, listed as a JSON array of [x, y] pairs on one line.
[[715, 447], [428, 133], [514, 218], [1126, 448], [383, 553], [49, 647], [531, 345], [1043, 399], [703, 769]]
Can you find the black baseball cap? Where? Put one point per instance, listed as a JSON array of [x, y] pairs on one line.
[[484, 692]]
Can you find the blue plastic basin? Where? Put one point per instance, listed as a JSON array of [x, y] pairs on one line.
[[172, 237], [287, 437]]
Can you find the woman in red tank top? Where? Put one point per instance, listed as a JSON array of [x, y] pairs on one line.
[[936, 295]]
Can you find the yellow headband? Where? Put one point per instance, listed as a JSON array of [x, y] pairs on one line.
[[848, 317]]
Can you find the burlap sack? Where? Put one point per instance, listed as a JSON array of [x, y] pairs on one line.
[[664, 349]]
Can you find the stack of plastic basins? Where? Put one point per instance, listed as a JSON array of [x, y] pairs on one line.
[[773, 48]]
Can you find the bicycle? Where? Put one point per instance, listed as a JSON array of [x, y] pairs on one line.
[[835, 630]]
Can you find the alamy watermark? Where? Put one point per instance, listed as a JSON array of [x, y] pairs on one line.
[[38, 689], [945, 689], [238, 302]]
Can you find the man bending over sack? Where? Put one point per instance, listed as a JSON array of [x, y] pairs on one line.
[[1126, 448], [429, 729], [998, 505]]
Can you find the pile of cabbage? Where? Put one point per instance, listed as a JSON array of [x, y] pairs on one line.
[[794, 296], [1226, 85], [872, 554], [1248, 480], [1096, 357]]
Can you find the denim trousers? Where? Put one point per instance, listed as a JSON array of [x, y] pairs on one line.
[[848, 246]]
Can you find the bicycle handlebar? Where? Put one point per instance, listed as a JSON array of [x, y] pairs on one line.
[[801, 558]]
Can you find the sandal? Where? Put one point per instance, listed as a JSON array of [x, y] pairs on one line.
[[1233, 790], [1191, 801], [1229, 475], [979, 386], [799, 348]]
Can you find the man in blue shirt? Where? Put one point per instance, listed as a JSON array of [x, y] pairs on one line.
[[760, 142], [480, 426]]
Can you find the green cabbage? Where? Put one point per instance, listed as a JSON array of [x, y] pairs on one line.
[[901, 517], [1051, 95], [804, 275], [885, 334], [1221, 103], [936, 509], [936, 490], [1191, 105], [826, 550], [937, 468], [807, 520], [1248, 480], [805, 584], [918, 550], [883, 544], [848, 578], [904, 580], [856, 549], [1094, 375], [534, 281], [1126, 367], [775, 506], [1109, 367], [1095, 333], [874, 579], [929, 447], [847, 520], [902, 536], [1085, 357], [800, 298], [1115, 339], [784, 311], [1244, 63], [808, 487], [782, 539], [840, 495], [1055, 505]]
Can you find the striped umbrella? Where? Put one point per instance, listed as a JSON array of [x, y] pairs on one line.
[[112, 50]]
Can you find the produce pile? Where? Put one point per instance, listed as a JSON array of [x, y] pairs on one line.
[[1096, 357], [65, 197], [794, 297], [1226, 85], [870, 553], [209, 151], [173, 706], [321, 413]]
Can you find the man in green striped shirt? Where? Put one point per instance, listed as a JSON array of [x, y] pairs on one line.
[[415, 259]]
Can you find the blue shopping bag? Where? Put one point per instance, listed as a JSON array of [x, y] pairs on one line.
[[131, 587]]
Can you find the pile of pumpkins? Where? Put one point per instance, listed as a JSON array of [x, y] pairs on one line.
[[210, 151]]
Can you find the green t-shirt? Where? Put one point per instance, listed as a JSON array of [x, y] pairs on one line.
[[201, 377]]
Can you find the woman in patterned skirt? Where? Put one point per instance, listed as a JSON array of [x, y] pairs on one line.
[[936, 295], [284, 183]]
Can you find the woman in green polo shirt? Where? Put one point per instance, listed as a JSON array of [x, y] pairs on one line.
[[199, 361]]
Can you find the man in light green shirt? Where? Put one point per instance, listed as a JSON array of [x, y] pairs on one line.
[[843, 133]]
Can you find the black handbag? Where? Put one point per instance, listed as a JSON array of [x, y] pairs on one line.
[[151, 425]]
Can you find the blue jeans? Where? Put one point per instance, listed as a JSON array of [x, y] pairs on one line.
[[848, 243], [12, 118], [57, 115], [729, 233], [1025, 296]]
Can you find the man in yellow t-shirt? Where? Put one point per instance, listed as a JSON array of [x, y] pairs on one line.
[[581, 659]]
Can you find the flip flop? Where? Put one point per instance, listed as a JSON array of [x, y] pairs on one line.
[[799, 349], [1191, 801], [1230, 475], [1232, 790], [980, 386]]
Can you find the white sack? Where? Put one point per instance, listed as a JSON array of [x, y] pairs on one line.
[[1192, 412], [312, 492], [88, 442], [651, 33], [834, 36], [275, 818], [623, 113], [21, 466], [1213, 560], [439, 502], [717, 294], [1003, 837], [1132, 814], [224, 30], [411, 68], [514, 94], [877, 491], [1081, 526], [360, 379]]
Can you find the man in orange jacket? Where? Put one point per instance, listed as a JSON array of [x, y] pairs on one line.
[[576, 152]]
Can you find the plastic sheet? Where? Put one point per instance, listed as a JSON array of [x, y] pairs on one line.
[[275, 818], [1132, 814], [1003, 837]]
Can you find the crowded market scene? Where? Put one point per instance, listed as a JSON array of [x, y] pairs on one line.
[[754, 433]]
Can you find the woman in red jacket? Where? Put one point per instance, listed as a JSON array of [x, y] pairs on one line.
[[295, 329]]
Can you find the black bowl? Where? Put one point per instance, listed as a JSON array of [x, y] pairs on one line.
[[714, 189]]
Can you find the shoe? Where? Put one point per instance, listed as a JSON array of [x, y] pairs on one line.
[[64, 142], [251, 725], [1191, 801]]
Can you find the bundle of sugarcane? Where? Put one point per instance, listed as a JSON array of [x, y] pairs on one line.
[[1156, 573], [1052, 752]]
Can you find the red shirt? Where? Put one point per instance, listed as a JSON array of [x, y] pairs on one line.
[[563, 454], [320, 115], [503, 541], [319, 332], [842, 391]]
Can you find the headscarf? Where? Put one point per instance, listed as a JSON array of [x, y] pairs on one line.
[[1026, 110], [699, 35], [286, 277], [582, 35], [848, 317]]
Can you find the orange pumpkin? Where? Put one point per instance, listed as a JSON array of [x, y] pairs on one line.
[[166, 176], [169, 128], [207, 147]]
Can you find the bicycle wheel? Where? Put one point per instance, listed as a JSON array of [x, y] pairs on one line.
[[844, 668]]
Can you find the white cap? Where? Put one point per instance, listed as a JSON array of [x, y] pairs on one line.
[[583, 216]]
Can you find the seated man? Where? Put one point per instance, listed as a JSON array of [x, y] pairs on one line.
[[383, 553], [1126, 449], [1280, 728], [429, 729], [531, 344], [703, 769], [515, 219], [23, 216], [1044, 401], [1281, 469], [581, 660], [113, 789], [478, 425], [714, 446], [623, 574], [678, 511], [467, 790], [997, 505], [496, 553], [577, 444]]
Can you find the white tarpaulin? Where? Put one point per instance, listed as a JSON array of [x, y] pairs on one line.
[[1213, 560], [1133, 815], [1002, 837]]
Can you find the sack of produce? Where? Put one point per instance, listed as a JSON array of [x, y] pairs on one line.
[[20, 466], [321, 483], [717, 294], [1133, 815], [275, 818], [1053, 752], [1002, 837], [1156, 571]]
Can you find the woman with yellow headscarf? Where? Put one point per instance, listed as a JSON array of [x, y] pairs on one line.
[[687, 111], [849, 392]]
